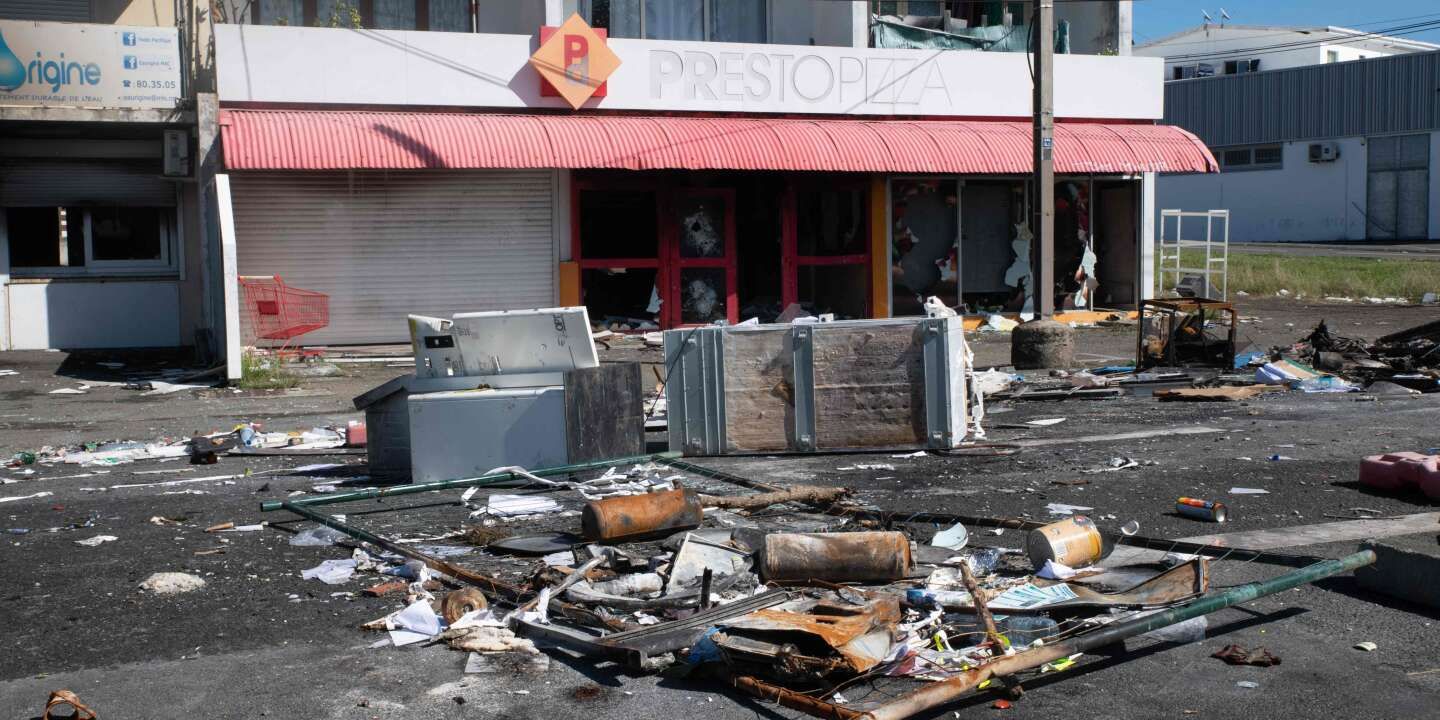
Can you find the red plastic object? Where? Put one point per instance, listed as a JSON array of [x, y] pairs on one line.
[[1402, 471], [355, 434], [1426, 475], [279, 312]]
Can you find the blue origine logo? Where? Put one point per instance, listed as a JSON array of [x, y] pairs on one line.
[[41, 71], [12, 72]]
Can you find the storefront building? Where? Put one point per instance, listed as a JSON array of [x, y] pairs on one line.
[[672, 182], [98, 223]]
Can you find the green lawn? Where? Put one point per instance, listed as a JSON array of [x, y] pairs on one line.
[[1324, 276]]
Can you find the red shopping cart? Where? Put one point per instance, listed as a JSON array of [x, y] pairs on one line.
[[280, 313]]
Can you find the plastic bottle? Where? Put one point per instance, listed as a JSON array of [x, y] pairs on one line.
[[1026, 629], [916, 597]]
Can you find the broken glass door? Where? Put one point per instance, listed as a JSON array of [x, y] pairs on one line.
[[702, 287]]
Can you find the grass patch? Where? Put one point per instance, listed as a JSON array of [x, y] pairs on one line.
[[1327, 276], [259, 372]]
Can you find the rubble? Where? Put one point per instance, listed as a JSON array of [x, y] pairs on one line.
[[172, 583], [792, 589]]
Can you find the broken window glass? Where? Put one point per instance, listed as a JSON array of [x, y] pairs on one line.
[[925, 222], [702, 227], [702, 295]]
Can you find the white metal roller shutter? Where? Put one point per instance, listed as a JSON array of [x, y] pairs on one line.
[[387, 244], [54, 10]]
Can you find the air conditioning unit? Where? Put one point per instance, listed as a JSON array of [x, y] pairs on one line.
[[177, 153], [1324, 152]]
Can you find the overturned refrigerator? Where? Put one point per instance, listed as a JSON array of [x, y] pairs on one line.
[[502, 388], [810, 387]]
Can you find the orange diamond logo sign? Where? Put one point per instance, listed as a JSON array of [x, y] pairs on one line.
[[574, 60]]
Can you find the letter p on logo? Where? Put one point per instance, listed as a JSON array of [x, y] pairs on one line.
[[577, 48]]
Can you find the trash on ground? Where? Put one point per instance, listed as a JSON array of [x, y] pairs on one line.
[[172, 583], [1238, 655]]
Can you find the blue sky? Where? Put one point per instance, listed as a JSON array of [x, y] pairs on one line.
[[1156, 18]]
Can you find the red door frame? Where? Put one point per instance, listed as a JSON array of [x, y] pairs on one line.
[[676, 264], [791, 261], [667, 262]]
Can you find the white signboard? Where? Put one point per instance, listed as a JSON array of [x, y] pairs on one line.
[[77, 65], [369, 67]]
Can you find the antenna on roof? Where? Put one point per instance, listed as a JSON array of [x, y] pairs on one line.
[[1206, 15], [1223, 17]]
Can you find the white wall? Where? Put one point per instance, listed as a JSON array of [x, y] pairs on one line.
[[398, 68], [102, 314], [1219, 45], [1301, 202]]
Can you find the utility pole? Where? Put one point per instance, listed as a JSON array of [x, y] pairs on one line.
[[1042, 342], [1043, 211]]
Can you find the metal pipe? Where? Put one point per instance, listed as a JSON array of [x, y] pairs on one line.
[[937, 694], [673, 460], [812, 706], [483, 480], [486, 584], [512, 594], [889, 518]]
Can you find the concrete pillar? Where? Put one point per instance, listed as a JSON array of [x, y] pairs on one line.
[[212, 275], [1124, 26], [228, 259], [555, 12], [859, 23], [1042, 344], [4, 285], [1145, 256]]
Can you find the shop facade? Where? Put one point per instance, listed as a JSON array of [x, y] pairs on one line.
[[99, 234], [681, 182]]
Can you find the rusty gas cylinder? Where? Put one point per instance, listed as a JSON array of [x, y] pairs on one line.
[[636, 517], [1074, 542], [836, 557]]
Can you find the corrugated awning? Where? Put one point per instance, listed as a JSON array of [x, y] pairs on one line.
[[339, 140]]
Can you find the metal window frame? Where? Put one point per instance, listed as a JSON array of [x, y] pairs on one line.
[[168, 264], [706, 13]]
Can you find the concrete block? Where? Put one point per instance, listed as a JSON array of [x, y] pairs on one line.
[[1406, 574]]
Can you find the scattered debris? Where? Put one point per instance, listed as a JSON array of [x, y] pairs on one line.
[[64, 700], [172, 583], [1237, 655], [1367, 646], [96, 540]]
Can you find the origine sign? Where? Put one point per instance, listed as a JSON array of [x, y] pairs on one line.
[[79, 65], [399, 68]]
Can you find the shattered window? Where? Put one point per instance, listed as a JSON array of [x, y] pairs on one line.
[[702, 295], [702, 227], [924, 228]]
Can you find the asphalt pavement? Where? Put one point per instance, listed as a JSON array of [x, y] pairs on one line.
[[259, 641]]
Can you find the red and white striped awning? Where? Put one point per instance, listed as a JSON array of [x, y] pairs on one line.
[[343, 139]]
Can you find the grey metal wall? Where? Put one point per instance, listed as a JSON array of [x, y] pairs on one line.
[[1363, 97]]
